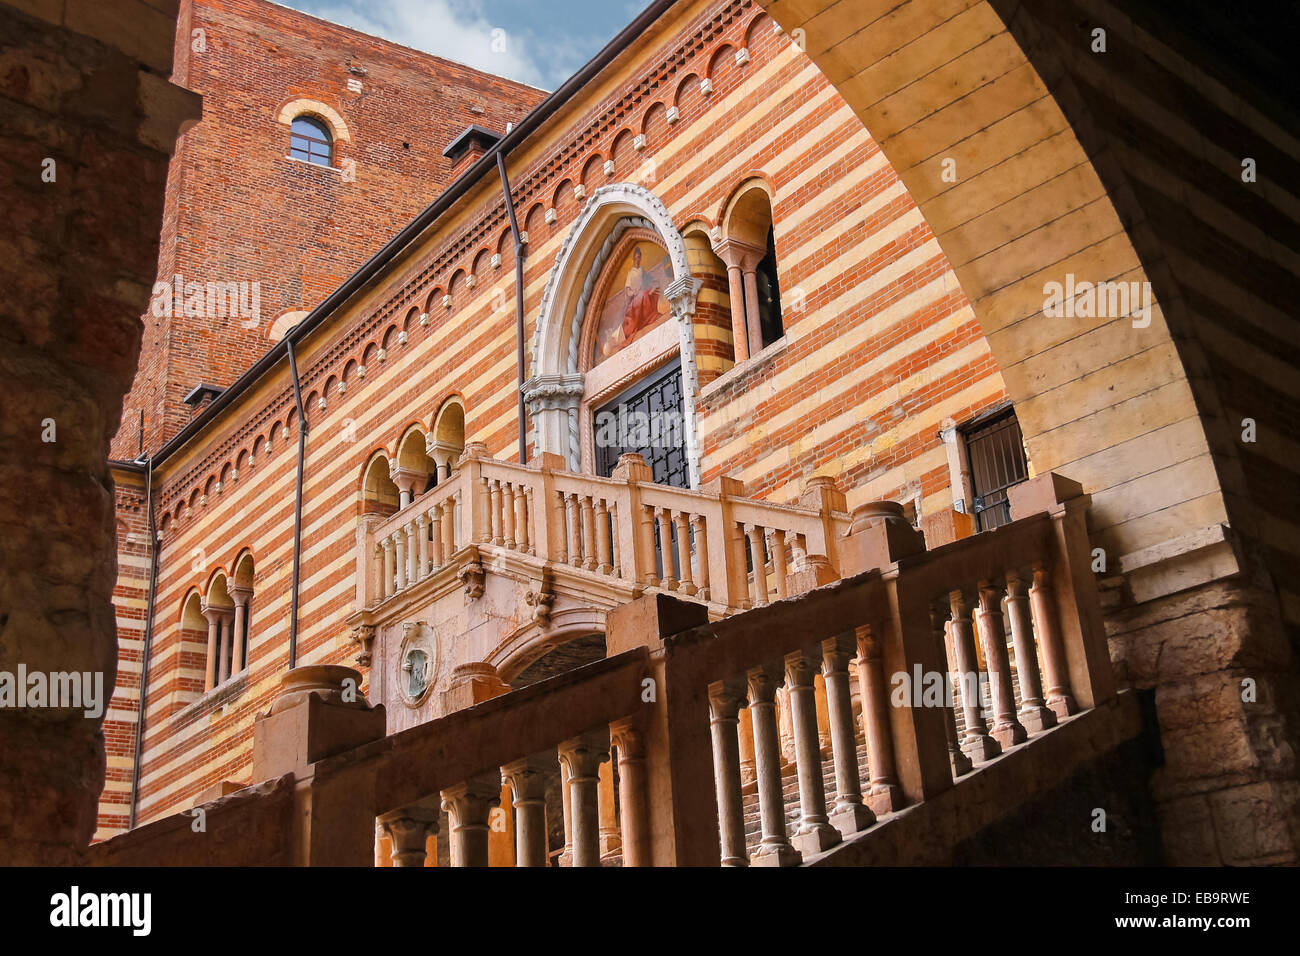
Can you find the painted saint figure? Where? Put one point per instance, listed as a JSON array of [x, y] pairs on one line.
[[643, 306]]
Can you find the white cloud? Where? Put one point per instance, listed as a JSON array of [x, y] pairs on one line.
[[454, 29]]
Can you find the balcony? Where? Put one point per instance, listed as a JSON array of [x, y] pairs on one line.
[[903, 783]]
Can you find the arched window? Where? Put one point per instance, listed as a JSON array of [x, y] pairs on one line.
[[309, 140]]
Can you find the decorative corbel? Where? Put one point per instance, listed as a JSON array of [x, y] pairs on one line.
[[363, 639]]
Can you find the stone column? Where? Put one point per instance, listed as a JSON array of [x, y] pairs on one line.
[[604, 539], [634, 816], [213, 616], [422, 552], [527, 781], [390, 568], [726, 698], [775, 848], [815, 833], [752, 325], [409, 831], [469, 806], [582, 756], [610, 839], [399, 545], [741, 259], [976, 744], [849, 815], [754, 534], [664, 518], [885, 795], [1007, 730], [1034, 714], [240, 597], [223, 655]]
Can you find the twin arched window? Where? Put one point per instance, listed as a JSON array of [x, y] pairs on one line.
[[310, 140]]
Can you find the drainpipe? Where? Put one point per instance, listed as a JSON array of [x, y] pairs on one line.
[[148, 647], [297, 512], [520, 250]]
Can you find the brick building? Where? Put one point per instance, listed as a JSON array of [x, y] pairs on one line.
[[709, 235]]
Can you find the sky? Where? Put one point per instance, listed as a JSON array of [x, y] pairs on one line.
[[539, 42]]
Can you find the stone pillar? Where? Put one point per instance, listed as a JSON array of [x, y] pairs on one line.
[[1007, 730], [741, 259], [885, 795], [399, 545], [668, 580], [758, 593], [241, 597], [977, 744], [725, 701], [815, 833], [409, 830], [223, 654], [634, 816], [610, 840], [849, 815], [961, 764], [468, 806], [527, 781], [213, 616], [775, 848], [582, 757], [390, 568], [1034, 714]]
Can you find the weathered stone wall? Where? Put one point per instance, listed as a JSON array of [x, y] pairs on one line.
[[87, 120]]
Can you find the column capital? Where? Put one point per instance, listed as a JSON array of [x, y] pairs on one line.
[[582, 756], [215, 613], [628, 736], [801, 667], [527, 777], [736, 254], [726, 698], [240, 594]]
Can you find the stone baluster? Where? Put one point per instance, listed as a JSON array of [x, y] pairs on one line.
[[449, 526], [409, 831], [399, 542], [494, 511], [634, 812], [527, 781], [588, 515], [646, 542], [959, 762], [1007, 730], [725, 700], [530, 534], [566, 813], [469, 808], [885, 795], [573, 524], [1048, 628], [778, 562], [664, 518], [615, 533], [412, 553], [240, 596], [561, 516], [850, 814], [378, 591], [582, 756], [508, 515], [815, 833], [422, 552], [604, 538], [701, 526], [1034, 715], [754, 535], [977, 744], [682, 523], [775, 848], [435, 544], [522, 537], [390, 567]]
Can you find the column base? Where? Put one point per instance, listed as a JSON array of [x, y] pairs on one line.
[[816, 838], [776, 854], [961, 764], [1062, 707], [1010, 733], [1036, 718], [851, 818], [885, 798], [980, 747]]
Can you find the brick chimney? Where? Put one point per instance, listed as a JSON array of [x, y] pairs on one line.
[[467, 148]]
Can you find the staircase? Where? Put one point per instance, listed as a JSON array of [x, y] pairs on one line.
[[790, 792]]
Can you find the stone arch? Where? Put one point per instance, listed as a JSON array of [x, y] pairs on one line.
[[447, 439], [555, 388], [379, 494], [331, 117], [412, 470]]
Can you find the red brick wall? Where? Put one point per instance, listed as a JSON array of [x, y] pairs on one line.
[[239, 210]]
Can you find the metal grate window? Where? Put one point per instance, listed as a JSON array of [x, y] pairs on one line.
[[996, 452]]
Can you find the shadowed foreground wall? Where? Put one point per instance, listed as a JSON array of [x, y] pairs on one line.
[[87, 121]]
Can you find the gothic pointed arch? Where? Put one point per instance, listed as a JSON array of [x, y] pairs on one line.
[[557, 390]]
